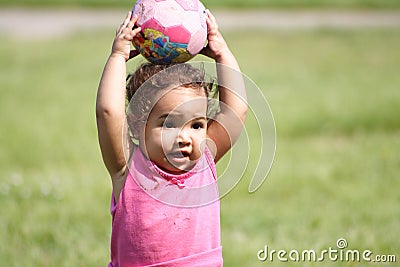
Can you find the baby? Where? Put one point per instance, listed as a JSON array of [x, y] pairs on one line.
[[165, 203]]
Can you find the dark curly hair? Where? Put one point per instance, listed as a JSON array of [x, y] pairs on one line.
[[150, 80]]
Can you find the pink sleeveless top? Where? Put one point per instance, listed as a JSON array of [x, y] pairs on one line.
[[167, 220]]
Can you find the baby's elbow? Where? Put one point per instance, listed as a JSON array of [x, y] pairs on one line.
[[102, 112]]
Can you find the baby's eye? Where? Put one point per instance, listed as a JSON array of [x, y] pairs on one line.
[[197, 125], [168, 124]]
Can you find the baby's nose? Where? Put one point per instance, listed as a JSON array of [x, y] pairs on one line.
[[184, 138]]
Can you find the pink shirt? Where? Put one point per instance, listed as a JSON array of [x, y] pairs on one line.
[[167, 220]]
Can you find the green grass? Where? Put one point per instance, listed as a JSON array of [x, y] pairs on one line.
[[335, 99], [368, 4]]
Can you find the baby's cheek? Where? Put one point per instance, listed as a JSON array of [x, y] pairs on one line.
[[168, 139], [200, 143]]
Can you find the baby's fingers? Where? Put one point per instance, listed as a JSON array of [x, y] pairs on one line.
[[125, 23], [132, 21], [211, 23], [127, 18], [130, 34]]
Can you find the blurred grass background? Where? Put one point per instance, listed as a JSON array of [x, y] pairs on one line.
[[336, 101]]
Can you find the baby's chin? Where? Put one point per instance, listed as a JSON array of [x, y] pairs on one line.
[[178, 167]]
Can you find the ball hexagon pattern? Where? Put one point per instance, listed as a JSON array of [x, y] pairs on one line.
[[173, 31]]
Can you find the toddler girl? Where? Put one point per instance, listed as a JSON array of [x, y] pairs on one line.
[[165, 204]]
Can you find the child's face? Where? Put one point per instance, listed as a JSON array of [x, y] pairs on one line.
[[175, 133]]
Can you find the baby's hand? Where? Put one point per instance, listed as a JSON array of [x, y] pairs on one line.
[[216, 47], [124, 37]]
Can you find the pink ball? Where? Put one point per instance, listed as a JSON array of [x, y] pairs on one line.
[[173, 31]]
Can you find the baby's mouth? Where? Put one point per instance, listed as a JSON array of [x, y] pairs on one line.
[[179, 154], [179, 158]]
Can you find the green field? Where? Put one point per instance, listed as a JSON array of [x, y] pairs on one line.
[[386, 4], [336, 102]]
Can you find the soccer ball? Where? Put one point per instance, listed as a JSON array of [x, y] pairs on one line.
[[173, 31]]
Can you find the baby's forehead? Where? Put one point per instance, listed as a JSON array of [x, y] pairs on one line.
[[184, 101], [197, 91], [185, 93], [179, 94]]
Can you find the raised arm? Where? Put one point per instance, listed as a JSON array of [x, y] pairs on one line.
[[110, 103], [225, 129]]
